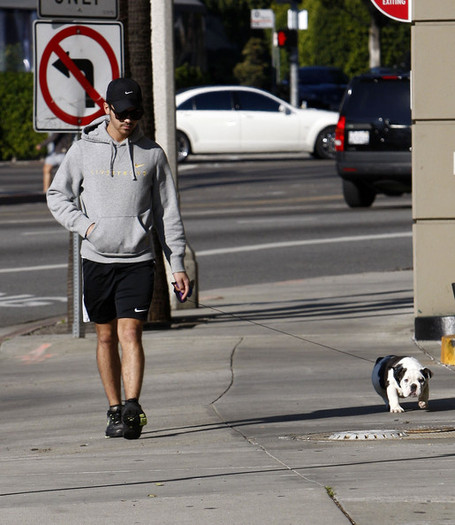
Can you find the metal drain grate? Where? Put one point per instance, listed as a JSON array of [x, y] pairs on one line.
[[367, 434], [371, 435]]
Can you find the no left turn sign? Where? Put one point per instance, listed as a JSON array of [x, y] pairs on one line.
[[74, 63]]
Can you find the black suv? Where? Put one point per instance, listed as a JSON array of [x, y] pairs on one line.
[[373, 138]]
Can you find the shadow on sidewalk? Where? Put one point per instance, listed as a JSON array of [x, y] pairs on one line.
[[347, 307], [436, 405]]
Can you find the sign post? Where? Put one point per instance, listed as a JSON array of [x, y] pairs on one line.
[[74, 63]]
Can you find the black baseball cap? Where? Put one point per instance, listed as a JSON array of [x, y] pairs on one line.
[[124, 93]]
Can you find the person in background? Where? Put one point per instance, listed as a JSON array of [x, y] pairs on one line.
[[57, 145], [113, 186]]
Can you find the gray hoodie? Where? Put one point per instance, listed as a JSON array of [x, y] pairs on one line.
[[124, 189]]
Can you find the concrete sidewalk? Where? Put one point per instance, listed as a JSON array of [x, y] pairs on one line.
[[246, 398]]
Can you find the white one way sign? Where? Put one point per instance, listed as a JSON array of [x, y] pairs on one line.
[[78, 8]]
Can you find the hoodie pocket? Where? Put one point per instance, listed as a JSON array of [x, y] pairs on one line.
[[119, 236]]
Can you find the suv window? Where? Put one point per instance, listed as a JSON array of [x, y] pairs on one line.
[[386, 98], [251, 101]]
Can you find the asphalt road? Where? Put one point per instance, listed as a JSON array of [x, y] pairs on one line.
[[251, 221]]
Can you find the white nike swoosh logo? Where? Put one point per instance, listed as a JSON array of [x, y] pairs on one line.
[[128, 92], [139, 310]]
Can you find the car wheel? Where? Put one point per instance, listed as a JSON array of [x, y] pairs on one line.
[[183, 147], [357, 196], [324, 147]]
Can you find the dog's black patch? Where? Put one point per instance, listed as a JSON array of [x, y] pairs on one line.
[[389, 362], [398, 373], [427, 373]]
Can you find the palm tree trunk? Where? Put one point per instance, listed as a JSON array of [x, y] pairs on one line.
[[374, 43]]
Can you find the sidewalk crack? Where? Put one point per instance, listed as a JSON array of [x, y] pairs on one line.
[[255, 443], [231, 367]]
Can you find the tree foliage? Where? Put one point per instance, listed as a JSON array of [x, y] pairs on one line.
[[17, 137], [338, 35], [255, 69]]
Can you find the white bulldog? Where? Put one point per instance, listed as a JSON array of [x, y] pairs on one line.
[[394, 377]]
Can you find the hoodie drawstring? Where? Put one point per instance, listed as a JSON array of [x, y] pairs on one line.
[[113, 156], [131, 154], [130, 148]]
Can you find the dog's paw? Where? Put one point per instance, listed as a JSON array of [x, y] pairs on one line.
[[397, 409], [423, 404]]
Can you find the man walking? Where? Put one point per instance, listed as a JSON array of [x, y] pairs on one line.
[[113, 186]]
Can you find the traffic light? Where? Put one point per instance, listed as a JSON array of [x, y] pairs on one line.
[[286, 38]]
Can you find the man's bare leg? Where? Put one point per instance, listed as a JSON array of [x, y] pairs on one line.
[[133, 359], [108, 360], [130, 337]]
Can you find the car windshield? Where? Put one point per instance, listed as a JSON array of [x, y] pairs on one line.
[[322, 76], [387, 98]]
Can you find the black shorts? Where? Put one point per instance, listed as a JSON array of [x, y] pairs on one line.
[[117, 290]]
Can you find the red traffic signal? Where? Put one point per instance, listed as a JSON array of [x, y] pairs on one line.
[[286, 38]]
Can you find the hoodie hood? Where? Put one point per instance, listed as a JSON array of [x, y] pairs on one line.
[[96, 131]]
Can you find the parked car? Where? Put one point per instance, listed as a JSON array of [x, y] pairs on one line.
[[373, 138], [239, 119], [321, 87]]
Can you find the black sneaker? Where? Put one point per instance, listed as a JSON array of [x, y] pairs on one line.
[[133, 419], [115, 425]]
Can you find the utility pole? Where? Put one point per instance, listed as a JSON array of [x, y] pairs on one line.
[[162, 25], [294, 55]]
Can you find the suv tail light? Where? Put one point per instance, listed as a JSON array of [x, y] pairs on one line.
[[339, 134]]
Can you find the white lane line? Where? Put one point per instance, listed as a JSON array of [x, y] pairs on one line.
[[34, 268], [277, 220], [249, 248], [44, 232], [290, 244], [34, 220]]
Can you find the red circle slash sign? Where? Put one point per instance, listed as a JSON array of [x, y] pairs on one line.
[[55, 47], [396, 9]]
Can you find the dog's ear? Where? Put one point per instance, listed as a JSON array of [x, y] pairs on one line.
[[398, 372], [426, 372]]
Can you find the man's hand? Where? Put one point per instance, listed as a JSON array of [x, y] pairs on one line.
[[89, 230], [182, 284]]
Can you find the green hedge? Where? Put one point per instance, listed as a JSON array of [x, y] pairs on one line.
[[17, 137]]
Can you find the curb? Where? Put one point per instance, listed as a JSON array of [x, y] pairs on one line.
[[27, 328]]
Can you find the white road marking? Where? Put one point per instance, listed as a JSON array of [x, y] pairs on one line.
[[290, 244], [27, 300], [248, 248], [45, 232], [34, 268]]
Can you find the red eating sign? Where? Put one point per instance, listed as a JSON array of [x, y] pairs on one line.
[[397, 9]]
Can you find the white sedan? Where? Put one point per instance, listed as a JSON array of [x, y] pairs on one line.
[[239, 119]]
